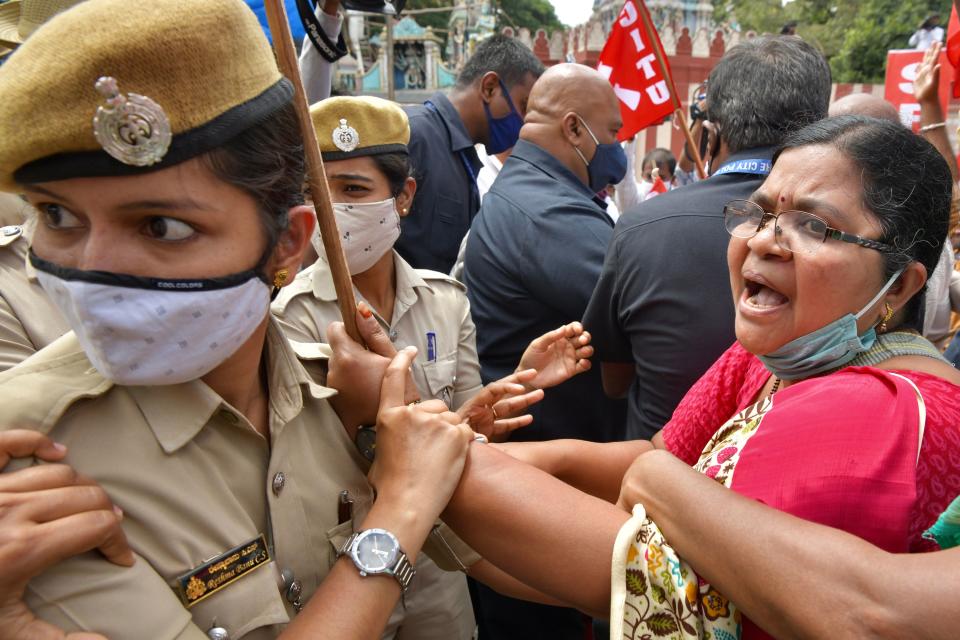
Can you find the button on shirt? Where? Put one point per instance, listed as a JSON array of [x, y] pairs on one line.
[[663, 301], [446, 200], [193, 483], [427, 303], [533, 257]]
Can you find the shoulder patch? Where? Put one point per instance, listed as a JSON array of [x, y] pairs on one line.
[[38, 391], [10, 234], [427, 274]]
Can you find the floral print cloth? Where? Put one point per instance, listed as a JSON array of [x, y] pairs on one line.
[[655, 594]]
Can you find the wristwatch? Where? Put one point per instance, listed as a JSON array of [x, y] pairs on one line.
[[377, 552]]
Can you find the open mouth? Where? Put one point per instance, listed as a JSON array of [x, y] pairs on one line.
[[761, 296]]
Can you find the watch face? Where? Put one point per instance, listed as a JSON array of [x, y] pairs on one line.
[[376, 550]]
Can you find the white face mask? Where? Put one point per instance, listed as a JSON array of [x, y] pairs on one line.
[[147, 331], [367, 231]]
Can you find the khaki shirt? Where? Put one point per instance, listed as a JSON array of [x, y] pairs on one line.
[[427, 302], [195, 480], [29, 320]]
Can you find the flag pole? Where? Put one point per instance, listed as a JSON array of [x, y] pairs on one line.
[[672, 89], [316, 178]]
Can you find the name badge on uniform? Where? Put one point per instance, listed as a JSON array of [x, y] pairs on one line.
[[215, 574]]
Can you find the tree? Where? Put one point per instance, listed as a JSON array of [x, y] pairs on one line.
[[854, 35], [878, 26], [532, 14]]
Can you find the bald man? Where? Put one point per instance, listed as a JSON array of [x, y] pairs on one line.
[[864, 104], [533, 256]]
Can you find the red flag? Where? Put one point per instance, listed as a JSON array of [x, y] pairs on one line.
[[659, 186], [953, 48], [628, 61]]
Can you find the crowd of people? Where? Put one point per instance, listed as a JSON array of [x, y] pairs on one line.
[[585, 398]]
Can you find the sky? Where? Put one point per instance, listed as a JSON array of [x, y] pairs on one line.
[[573, 12]]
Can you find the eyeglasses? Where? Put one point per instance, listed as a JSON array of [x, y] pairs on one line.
[[795, 231]]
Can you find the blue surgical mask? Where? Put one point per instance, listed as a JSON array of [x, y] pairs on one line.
[[609, 164], [829, 347], [502, 133]]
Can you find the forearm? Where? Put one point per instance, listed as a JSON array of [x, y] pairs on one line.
[[332, 612], [505, 584], [794, 578], [545, 533], [597, 468], [931, 114]]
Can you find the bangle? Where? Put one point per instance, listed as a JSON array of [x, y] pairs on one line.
[[931, 127]]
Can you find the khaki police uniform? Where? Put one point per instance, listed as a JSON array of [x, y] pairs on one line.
[[428, 304], [29, 320], [195, 481]]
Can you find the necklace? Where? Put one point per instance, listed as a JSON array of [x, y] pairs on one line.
[[776, 385]]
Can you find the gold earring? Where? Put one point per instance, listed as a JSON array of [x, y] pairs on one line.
[[882, 328], [279, 279], [404, 211]]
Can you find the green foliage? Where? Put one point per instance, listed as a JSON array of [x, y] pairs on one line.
[[532, 14], [438, 20], [878, 26], [854, 35]]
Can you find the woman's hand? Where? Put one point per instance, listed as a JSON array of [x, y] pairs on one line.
[[357, 372], [927, 82], [557, 356], [421, 449], [47, 514], [494, 410]]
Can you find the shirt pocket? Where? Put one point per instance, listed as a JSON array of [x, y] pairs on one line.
[[441, 377], [336, 537], [253, 601]]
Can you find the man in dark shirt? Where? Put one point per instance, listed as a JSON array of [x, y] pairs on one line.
[[662, 312], [533, 256], [486, 106]]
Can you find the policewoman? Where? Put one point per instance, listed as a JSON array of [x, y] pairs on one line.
[[166, 167], [363, 141]]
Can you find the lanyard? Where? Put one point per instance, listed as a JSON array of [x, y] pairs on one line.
[[754, 166], [464, 158]]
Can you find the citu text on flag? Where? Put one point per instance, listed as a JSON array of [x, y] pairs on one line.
[[634, 63]]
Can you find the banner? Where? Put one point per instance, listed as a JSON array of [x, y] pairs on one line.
[[901, 72], [628, 61], [953, 48]]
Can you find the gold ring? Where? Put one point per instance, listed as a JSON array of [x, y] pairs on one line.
[[495, 416], [414, 403]]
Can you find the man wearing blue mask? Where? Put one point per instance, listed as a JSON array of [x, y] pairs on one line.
[[533, 256], [486, 107]]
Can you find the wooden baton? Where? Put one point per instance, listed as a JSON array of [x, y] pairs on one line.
[[316, 178]]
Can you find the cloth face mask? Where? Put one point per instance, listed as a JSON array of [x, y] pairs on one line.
[[150, 331], [829, 347], [609, 164], [367, 231], [504, 132]]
